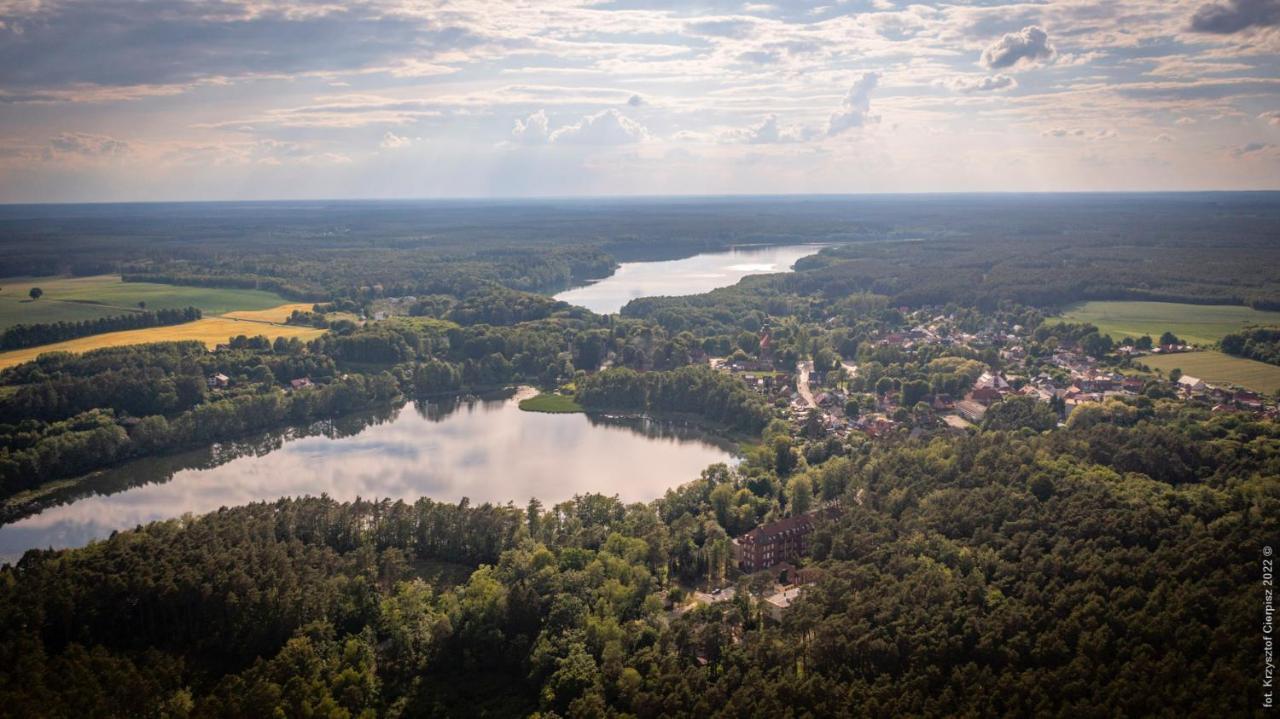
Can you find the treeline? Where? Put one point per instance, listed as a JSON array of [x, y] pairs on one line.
[[32, 452], [290, 289], [698, 390], [1256, 343], [66, 414], [20, 336], [1107, 567]]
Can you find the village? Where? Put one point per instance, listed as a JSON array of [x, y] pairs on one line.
[[826, 404], [829, 402]]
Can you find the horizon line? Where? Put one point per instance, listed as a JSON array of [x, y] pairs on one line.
[[632, 197]]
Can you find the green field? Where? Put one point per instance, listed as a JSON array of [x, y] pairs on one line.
[[1198, 324], [554, 403], [1218, 368], [84, 298]]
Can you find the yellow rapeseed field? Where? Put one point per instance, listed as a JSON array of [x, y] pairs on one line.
[[211, 331]]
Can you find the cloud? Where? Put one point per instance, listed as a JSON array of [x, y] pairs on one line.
[[1272, 117], [392, 141], [1163, 137], [769, 132], [159, 42], [985, 84], [635, 101], [1252, 149], [85, 145], [607, 127], [532, 130], [1030, 44], [1080, 133], [1233, 16], [856, 109]]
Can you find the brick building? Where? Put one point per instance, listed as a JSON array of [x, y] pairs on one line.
[[782, 541]]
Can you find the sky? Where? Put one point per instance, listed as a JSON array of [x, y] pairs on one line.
[[141, 100]]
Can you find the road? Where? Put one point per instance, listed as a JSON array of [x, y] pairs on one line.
[[802, 383]]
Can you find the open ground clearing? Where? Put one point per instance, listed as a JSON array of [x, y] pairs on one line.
[[1198, 324], [1218, 368], [73, 299]]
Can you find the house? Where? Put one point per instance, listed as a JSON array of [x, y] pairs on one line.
[[300, 383], [985, 395], [218, 381], [992, 380], [1191, 384], [777, 542], [777, 604]]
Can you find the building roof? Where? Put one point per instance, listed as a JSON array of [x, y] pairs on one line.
[[783, 599]]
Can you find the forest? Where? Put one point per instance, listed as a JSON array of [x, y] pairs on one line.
[[1256, 343], [1096, 562], [1109, 566], [968, 249]]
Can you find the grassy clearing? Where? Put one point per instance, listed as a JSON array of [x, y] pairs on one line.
[[81, 298], [1198, 324], [553, 403], [211, 331], [1219, 368]]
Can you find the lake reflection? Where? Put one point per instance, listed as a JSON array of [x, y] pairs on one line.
[[487, 450], [690, 276]]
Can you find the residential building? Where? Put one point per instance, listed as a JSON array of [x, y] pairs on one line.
[[782, 541]]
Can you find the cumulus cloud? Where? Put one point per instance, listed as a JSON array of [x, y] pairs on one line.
[[1272, 117], [856, 109], [1030, 45], [532, 130], [635, 101], [392, 141], [607, 127], [768, 132], [1233, 16], [983, 84], [85, 145]]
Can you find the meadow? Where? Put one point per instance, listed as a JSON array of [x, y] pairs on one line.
[[1218, 368], [1198, 324], [551, 403], [83, 298], [210, 330]]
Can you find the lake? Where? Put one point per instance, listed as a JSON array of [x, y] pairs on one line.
[[487, 450], [689, 276]]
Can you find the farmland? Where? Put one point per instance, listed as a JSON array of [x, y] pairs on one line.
[[1198, 324], [271, 314], [211, 331], [1219, 368], [84, 298]]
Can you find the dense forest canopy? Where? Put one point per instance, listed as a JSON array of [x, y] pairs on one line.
[[1003, 573], [1211, 247]]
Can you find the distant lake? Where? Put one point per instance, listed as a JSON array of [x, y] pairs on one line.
[[690, 276], [487, 450]]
